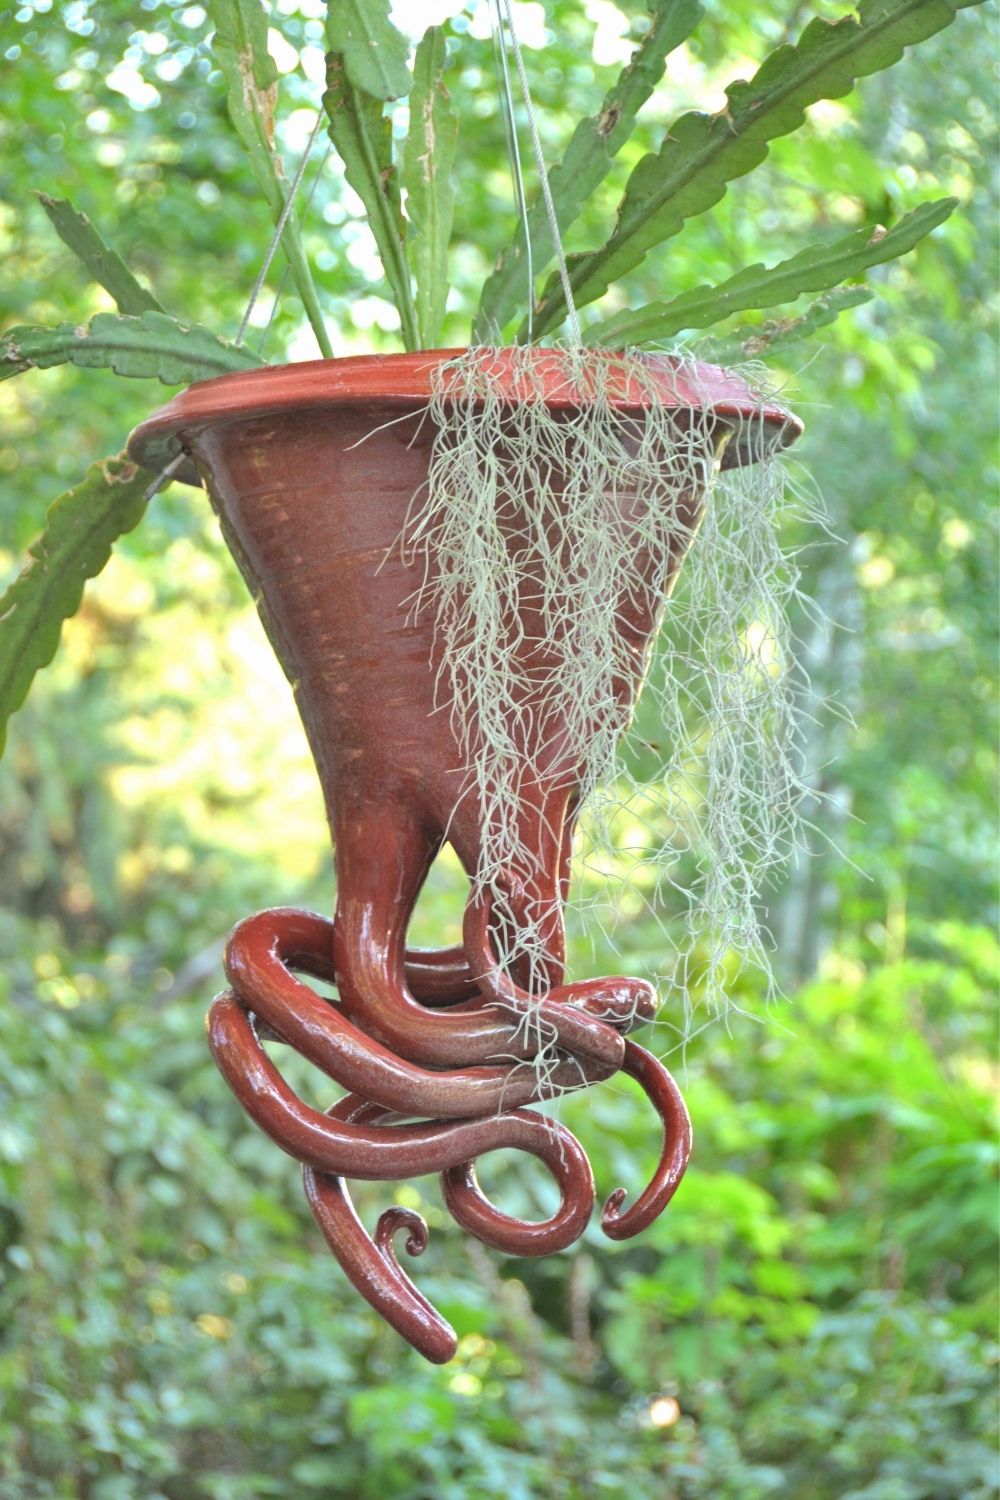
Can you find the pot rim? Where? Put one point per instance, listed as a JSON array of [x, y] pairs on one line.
[[403, 382]]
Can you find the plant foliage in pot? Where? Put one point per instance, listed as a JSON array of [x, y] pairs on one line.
[[463, 559]]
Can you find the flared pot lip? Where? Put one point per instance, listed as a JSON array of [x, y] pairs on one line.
[[404, 382]]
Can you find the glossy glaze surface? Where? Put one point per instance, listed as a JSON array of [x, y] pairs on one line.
[[311, 470]]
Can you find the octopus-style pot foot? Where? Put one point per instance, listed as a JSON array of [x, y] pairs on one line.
[[381, 1131]]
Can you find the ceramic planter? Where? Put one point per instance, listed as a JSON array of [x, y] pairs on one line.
[[312, 469]]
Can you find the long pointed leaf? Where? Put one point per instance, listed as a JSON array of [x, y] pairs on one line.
[[815, 269], [80, 529], [591, 150], [251, 78], [374, 52], [153, 346], [104, 264], [701, 154], [362, 135], [765, 339], [428, 159]]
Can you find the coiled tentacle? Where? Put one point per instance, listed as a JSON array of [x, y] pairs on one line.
[[373, 1135], [370, 1261], [665, 1096], [372, 1153], [259, 954]]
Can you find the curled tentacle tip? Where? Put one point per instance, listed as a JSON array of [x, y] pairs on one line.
[[439, 1348], [611, 1212], [631, 1002], [396, 1218], [646, 1001]]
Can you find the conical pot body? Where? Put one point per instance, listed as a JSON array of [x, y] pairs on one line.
[[312, 469]]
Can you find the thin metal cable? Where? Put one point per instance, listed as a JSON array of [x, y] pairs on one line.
[[274, 308], [506, 94], [272, 249], [284, 275], [175, 463], [575, 336]]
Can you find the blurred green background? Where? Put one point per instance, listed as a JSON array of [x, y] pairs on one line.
[[813, 1318]]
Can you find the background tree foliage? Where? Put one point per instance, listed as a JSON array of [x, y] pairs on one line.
[[813, 1316]]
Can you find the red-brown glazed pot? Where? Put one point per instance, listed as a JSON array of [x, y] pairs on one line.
[[312, 469]]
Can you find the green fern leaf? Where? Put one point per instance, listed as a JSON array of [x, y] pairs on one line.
[[80, 528], [153, 346], [362, 134], [251, 78], [374, 52], [761, 340], [591, 150], [428, 159], [701, 154], [104, 264], [815, 269]]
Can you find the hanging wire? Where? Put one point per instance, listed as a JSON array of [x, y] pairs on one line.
[[575, 334], [172, 467], [506, 93], [271, 315], [279, 230], [284, 275]]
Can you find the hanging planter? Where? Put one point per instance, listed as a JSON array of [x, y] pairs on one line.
[[313, 470], [462, 560]]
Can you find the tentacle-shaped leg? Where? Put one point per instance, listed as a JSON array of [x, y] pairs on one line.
[[664, 1095], [470, 1207], [377, 1154], [616, 1001], [258, 955], [439, 977], [531, 900], [370, 1261], [383, 854], [434, 976]]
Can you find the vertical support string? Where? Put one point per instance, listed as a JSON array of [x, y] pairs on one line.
[[575, 334], [279, 228], [172, 467], [506, 93]]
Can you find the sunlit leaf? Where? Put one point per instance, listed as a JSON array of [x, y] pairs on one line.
[[240, 48], [374, 52], [815, 269], [588, 157], [80, 529], [104, 264], [152, 346], [701, 154]]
